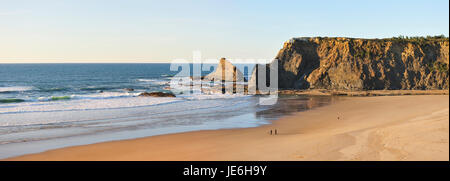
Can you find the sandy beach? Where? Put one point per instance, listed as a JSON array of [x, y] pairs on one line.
[[412, 127]]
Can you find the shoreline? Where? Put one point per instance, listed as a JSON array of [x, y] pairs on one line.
[[368, 128], [364, 93]]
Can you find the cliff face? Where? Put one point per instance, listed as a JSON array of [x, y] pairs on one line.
[[364, 64]]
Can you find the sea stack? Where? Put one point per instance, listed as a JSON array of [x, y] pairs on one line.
[[225, 71]]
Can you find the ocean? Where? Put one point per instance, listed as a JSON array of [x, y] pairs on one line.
[[48, 106]]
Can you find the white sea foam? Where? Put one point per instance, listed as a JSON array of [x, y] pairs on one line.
[[106, 100], [211, 96], [146, 80], [85, 104], [16, 89], [105, 95], [99, 101], [32, 113], [154, 81]]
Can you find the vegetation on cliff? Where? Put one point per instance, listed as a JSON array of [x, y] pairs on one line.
[[364, 64]]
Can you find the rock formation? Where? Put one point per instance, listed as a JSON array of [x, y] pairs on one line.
[[156, 94], [364, 64], [225, 71]]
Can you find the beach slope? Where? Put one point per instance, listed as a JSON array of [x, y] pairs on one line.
[[412, 127]]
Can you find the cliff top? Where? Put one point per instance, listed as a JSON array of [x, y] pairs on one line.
[[415, 39]]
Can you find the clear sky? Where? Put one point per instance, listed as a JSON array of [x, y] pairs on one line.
[[160, 31]]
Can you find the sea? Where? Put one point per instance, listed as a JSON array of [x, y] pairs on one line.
[[50, 106]]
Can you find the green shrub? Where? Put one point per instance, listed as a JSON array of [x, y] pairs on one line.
[[417, 39], [438, 66]]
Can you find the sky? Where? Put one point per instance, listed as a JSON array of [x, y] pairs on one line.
[[130, 31]]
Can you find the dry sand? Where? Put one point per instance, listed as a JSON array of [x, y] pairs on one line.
[[414, 127]]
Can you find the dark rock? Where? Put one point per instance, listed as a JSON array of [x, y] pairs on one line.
[[128, 89], [156, 94]]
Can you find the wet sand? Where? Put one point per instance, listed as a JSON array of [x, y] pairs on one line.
[[413, 127]]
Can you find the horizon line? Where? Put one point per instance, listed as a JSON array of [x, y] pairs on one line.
[[206, 61], [81, 62]]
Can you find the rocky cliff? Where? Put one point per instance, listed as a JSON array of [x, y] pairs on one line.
[[364, 64]]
